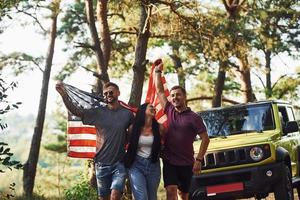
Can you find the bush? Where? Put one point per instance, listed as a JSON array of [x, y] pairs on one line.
[[81, 191]]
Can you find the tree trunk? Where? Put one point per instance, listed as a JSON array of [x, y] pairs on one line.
[[96, 46], [178, 66], [102, 51], [219, 86], [91, 173], [268, 91], [31, 164], [104, 31], [246, 86], [139, 66]]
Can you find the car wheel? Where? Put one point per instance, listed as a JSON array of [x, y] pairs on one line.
[[283, 190]]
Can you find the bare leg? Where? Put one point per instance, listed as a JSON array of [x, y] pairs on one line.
[[172, 192], [115, 195], [104, 198], [183, 195]]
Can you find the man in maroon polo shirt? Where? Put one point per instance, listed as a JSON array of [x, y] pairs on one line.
[[178, 154]]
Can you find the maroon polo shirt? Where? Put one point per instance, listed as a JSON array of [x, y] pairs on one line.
[[181, 133]]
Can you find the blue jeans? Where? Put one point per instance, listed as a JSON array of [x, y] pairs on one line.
[[144, 178], [110, 177]]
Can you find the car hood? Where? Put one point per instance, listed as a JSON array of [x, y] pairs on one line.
[[241, 140]]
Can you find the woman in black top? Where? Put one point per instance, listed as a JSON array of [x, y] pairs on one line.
[[142, 157]]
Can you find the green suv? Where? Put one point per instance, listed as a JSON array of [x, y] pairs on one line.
[[254, 150]]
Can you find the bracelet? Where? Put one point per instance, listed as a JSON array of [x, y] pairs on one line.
[[158, 71], [198, 159]]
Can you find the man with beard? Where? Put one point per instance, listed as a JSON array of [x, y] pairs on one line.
[[111, 124], [178, 153]]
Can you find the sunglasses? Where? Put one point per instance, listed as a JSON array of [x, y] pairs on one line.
[[108, 93]]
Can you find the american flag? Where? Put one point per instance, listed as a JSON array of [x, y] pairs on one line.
[[151, 96], [81, 139]]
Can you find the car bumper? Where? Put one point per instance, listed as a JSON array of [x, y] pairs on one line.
[[241, 183]]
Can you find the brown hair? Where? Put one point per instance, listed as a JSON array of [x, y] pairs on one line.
[[108, 84], [179, 87]]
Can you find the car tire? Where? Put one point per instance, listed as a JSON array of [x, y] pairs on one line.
[[283, 190]]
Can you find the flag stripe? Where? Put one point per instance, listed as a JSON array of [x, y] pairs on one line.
[[160, 113], [81, 154], [125, 105], [78, 124], [90, 143], [158, 106], [162, 119], [83, 149], [78, 130], [82, 136]]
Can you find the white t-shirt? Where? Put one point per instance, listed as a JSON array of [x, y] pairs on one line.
[[145, 146]]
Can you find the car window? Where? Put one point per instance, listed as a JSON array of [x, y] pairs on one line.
[[283, 114], [290, 114]]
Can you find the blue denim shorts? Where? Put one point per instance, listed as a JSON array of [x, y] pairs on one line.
[[110, 177]]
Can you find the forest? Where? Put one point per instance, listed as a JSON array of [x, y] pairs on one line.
[[222, 52]]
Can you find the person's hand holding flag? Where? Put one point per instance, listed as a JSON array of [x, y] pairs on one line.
[[151, 92]]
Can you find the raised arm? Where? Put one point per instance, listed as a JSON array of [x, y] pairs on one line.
[[70, 106], [159, 86]]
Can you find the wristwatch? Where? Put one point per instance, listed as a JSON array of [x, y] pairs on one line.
[[200, 160]]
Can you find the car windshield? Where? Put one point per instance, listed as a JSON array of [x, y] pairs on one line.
[[238, 120]]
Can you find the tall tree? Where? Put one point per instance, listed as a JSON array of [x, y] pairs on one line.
[[276, 26], [204, 46], [101, 41], [219, 86], [139, 66], [177, 62], [239, 43], [31, 163]]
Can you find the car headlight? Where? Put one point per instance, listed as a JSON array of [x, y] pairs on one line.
[[256, 153]]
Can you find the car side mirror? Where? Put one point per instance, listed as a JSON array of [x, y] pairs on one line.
[[291, 127]]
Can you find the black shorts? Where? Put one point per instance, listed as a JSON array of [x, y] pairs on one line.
[[177, 175]]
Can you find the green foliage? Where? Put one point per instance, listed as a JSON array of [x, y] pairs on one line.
[[275, 25], [285, 88], [6, 6], [73, 22], [121, 58], [6, 161], [76, 60], [58, 142], [5, 104], [60, 116], [81, 191], [57, 147], [122, 19], [11, 194], [19, 62]]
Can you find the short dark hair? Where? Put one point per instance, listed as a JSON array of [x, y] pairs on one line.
[[179, 87], [108, 84]]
